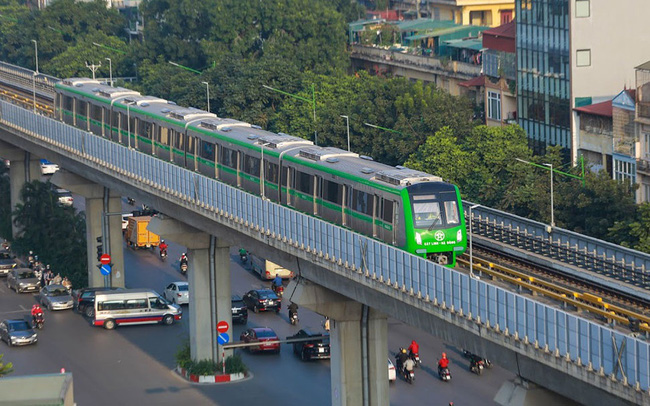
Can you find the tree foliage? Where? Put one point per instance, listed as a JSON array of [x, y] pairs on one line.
[[56, 233], [5, 368]]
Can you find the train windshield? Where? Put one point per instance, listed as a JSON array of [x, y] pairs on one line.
[[434, 211]]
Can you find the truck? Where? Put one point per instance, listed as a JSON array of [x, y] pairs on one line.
[[137, 235], [267, 269]]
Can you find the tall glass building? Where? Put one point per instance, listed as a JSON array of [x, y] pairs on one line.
[[543, 72]]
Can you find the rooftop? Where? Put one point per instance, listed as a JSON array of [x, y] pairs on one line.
[[507, 30], [598, 109]]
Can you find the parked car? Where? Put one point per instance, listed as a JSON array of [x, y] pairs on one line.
[[17, 332], [55, 297], [177, 292], [23, 280], [318, 348], [64, 196], [7, 263], [84, 300], [239, 310], [260, 334], [262, 300], [48, 168], [392, 374]]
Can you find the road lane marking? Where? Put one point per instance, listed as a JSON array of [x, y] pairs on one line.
[[14, 311], [24, 308]]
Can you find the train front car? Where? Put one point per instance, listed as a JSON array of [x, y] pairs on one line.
[[434, 221]]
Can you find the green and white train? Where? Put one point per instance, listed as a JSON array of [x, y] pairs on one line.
[[410, 209]]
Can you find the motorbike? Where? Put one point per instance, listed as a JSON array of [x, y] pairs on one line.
[[130, 201], [293, 317], [476, 365], [38, 320], [279, 290], [184, 268], [486, 362], [444, 374], [243, 257], [163, 254], [409, 376], [416, 358]]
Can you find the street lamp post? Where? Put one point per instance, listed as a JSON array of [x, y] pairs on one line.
[[34, 89], [347, 122], [207, 91], [552, 214], [312, 101], [36, 53], [110, 70], [471, 254]]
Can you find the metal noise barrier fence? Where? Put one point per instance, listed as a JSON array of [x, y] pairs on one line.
[[551, 329]]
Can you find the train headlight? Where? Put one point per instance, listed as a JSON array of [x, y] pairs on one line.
[[418, 238], [459, 235]]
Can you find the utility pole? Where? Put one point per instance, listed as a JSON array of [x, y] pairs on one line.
[[93, 68]]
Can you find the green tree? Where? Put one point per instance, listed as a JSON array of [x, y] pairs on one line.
[[72, 61], [56, 233], [634, 234], [5, 368]]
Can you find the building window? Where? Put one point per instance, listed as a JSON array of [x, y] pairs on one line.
[[582, 8], [646, 195], [583, 57], [494, 106], [646, 145]]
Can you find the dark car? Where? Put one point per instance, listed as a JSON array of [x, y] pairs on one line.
[[262, 300], [84, 300], [23, 280], [318, 348], [261, 334], [239, 310], [7, 263], [17, 332]]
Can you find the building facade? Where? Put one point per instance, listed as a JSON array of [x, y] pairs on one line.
[[572, 53], [489, 13], [642, 120]]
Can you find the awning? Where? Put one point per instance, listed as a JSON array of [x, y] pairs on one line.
[[473, 44], [478, 81]]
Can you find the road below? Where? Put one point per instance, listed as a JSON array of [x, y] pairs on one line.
[[133, 365]]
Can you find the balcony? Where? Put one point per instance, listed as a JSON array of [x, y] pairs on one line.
[[643, 165], [643, 110], [433, 65]]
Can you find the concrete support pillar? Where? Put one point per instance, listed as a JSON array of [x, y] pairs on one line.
[[98, 201], [209, 284], [522, 393], [359, 345], [24, 169]]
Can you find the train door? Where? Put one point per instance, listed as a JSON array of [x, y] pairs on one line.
[[344, 205], [316, 193], [376, 215]]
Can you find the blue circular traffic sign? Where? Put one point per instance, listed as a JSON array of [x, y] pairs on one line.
[[105, 269], [223, 338]]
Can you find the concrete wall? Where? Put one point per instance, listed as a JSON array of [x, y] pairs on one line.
[[618, 35]]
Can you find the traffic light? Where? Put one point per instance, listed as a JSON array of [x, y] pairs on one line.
[[100, 248]]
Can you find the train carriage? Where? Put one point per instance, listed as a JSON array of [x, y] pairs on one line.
[[416, 211]]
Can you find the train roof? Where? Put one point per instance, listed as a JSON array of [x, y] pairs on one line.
[[296, 149]]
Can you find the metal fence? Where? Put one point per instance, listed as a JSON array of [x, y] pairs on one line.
[[571, 336], [580, 250]]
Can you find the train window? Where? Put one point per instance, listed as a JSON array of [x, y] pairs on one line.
[[387, 210], [304, 182], [190, 144], [163, 136], [229, 157], [426, 214], [251, 165], [82, 108], [271, 172], [207, 150], [67, 103], [332, 192], [125, 125], [96, 113], [115, 119], [144, 129], [178, 139], [451, 212], [362, 202]]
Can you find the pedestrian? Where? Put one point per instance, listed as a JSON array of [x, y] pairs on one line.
[[326, 324], [57, 279]]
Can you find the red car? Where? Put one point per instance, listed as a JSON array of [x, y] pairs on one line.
[[260, 334]]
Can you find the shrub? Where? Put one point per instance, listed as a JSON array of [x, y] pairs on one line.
[[184, 356], [234, 363], [204, 367]]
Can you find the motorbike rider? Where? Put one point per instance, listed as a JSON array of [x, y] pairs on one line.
[[163, 247], [401, 358], [443, 363], [242, 253], [183, 259], [36, 310], [409, 364], [414, 349], [293, 309], [277, 282], [30, 259]]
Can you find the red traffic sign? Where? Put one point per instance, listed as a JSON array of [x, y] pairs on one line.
[[222, 326], [105, 259]]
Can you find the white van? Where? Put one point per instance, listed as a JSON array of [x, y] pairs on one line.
[[133, 306], [267, 269]]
